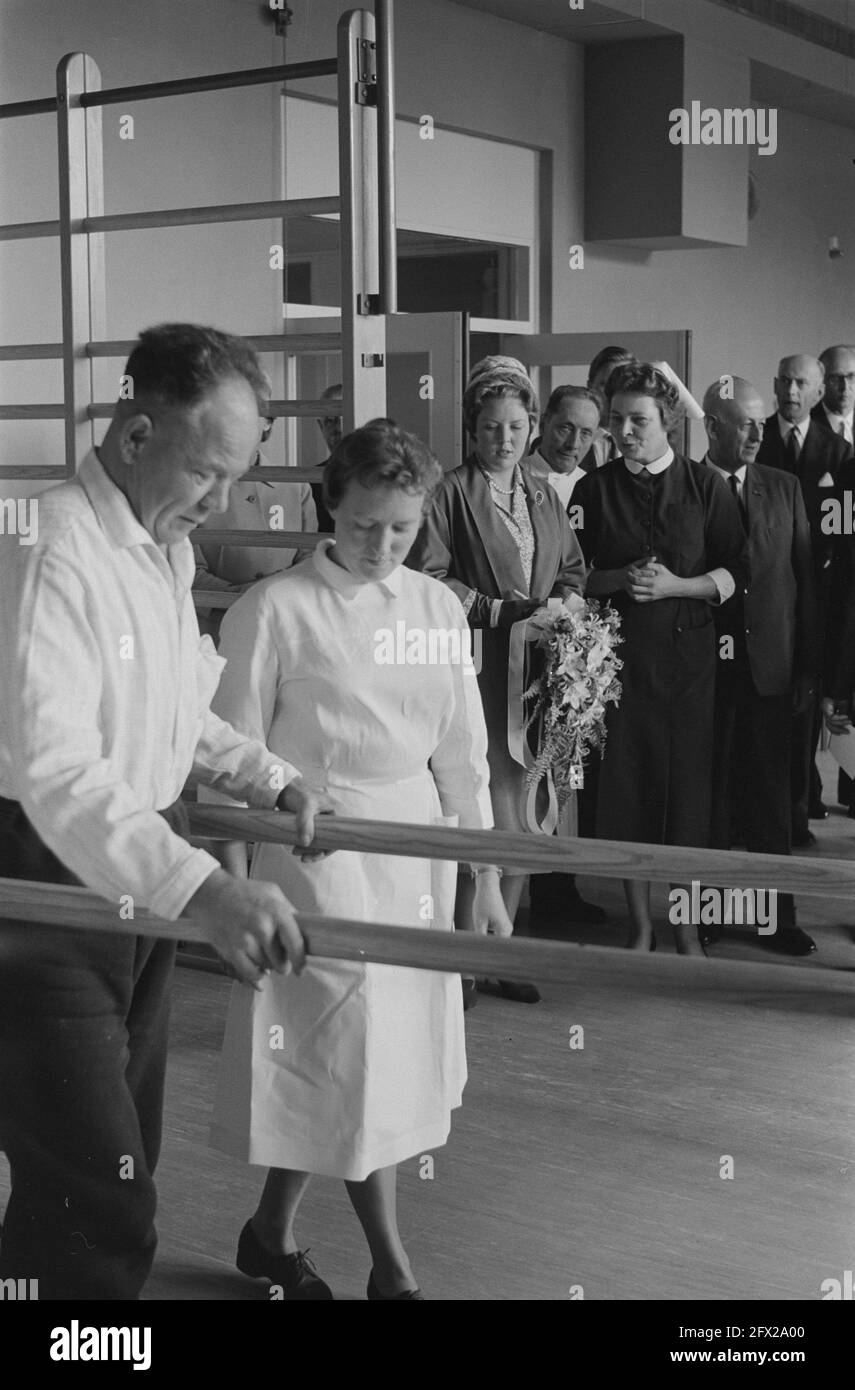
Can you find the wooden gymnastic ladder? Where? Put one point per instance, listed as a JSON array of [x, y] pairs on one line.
[[364, 67]]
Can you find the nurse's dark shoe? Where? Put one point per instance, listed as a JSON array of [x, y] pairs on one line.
[[294, 1274], [375, 1296]]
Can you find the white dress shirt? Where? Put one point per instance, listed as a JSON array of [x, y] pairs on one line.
[[787, 427], [105, 687], [739, 475], [721, 577], [561, 483], [254, 505]]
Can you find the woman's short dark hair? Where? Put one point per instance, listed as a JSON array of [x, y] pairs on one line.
[[179, 363], [492, 384], [643, 379], [381, 454]]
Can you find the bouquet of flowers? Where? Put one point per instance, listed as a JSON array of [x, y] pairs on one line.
[[580, 677]]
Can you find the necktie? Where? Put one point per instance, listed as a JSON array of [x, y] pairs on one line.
[[791, 451], [841, 430], [734, 487]]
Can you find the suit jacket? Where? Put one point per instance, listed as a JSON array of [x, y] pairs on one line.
[[465, 543], [773, 620], [823, 454], [820, 418]]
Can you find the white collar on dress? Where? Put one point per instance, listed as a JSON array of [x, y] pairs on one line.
[[657, 466], [345, 582]]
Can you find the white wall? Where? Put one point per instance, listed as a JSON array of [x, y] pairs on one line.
[[472, 73]]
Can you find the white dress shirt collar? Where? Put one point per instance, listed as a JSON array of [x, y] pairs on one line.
[[739, 474], [117, 519], [835, 421], [657, 466], [787, 426], [347, 583]]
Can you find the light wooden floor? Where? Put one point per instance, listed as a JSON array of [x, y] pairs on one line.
[[599, 1167]]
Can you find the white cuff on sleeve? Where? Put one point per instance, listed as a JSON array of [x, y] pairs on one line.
[[723, 580]]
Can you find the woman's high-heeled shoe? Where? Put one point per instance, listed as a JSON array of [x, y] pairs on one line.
[[375, 1296]]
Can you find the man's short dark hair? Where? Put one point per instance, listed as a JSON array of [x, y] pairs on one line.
[[179, 363], [574, 393]]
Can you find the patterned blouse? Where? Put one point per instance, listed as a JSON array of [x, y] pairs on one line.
[[516, 518]]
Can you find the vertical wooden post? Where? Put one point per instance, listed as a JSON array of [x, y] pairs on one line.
[[81, 195], [363, 327]]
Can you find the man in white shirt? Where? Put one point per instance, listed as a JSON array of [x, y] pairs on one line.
[[567, 429], [836, 410], [105, 697]]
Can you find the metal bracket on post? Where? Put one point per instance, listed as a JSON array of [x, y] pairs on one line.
[[366, 70]]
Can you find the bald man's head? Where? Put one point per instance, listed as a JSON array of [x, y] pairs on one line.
[[839, 364], [798, 386], [733, 416]]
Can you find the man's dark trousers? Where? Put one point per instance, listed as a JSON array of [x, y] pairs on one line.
[[751, 772], [84, 1017]]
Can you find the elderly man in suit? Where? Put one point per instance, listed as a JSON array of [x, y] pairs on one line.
[[768, 654], [794, 442], [835, 414], [837, 408]]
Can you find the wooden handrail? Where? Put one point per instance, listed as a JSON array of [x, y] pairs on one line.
[[278, 540], [822, 878], [511, 958]]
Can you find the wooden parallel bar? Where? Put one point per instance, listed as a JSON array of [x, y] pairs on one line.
[[263, 342], [33, 412], [26, 231], [224, 212], [282, 540], [821, 878], [297, 342], [511, 958], [40, 106], [215, 82], [271, 474], [103, 410], [36, 471], [30, 352], [214, 598]]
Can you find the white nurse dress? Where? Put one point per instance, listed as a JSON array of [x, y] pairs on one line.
[[352, 1067]]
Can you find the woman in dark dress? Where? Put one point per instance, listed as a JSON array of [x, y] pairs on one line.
[[666, 544], [504, 544]]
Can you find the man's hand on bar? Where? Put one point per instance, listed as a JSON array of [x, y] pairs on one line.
[[250, 924]]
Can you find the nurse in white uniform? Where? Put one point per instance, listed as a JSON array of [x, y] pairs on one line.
[[338, 666]]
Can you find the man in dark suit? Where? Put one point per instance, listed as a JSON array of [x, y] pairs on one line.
[[836, 415], [794, 442], [768, 655], [836, 410]]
